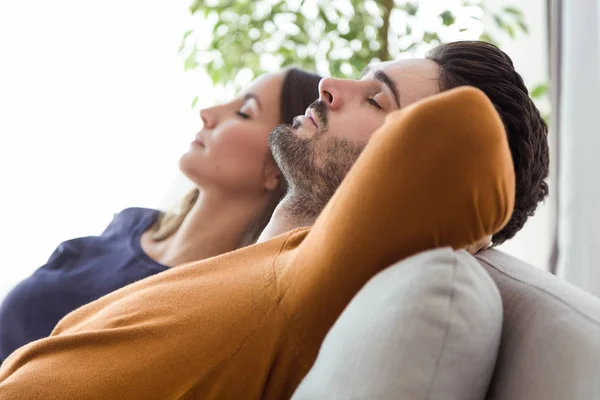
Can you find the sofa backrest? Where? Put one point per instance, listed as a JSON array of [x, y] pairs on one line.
[[428, 327], [550, 343]]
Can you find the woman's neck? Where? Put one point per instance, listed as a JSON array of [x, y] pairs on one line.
[[216, 224]]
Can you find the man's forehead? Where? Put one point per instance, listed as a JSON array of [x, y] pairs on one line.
[[415, 67], [414, 78]]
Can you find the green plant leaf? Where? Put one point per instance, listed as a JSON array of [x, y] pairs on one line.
[[447, 18], [190, 62], [539, 91], [409, 8], [409, 47], [429, 37], [195, 6], [510, 30], [546, 118], [499, 21], [523, 26], [513, 11], [486, 37], [291, 35], [194, 102]]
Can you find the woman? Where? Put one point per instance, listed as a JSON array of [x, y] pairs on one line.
[[237, 187]]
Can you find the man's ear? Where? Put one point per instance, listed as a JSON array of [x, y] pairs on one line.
[[271, 176]]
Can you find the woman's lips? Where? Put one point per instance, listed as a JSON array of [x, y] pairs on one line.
[[198, 141]]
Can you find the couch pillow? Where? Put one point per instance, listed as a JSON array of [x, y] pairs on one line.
[[550, 346], [425, 328]]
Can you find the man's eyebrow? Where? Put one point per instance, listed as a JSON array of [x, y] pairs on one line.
[[249, 96], [386, 80]]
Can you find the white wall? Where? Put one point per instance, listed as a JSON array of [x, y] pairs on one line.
[[530, 56], [94, 113], [579, 224]]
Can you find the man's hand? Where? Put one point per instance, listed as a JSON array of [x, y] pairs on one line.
[[480, 245]]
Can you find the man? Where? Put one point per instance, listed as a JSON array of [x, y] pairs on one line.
[[248, 324], [313, 158]]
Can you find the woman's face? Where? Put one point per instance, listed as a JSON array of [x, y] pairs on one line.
[[231, 153]]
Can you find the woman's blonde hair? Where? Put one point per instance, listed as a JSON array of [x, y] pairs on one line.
[[168, 222], [298, 90]]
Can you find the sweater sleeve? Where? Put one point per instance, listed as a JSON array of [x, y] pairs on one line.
[[164, 337], [437, 173]]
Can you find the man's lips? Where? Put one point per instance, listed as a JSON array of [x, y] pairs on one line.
[[310, 115]]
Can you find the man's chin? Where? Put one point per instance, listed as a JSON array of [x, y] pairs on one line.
[[288, 145], [301, 133], [282, 133]]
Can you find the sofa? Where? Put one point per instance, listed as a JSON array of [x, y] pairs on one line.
[[446, 325]]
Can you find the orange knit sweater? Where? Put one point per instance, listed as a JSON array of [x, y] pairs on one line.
[[248, 324]]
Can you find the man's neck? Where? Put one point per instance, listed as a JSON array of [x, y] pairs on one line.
[[284, 219]]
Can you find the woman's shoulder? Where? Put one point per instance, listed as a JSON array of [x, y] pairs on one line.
[[132, 218], [137, 213]]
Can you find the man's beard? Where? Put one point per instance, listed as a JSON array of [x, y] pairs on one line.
[[312, 167]]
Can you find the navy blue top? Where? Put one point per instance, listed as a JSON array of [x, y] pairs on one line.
[[78, 272]]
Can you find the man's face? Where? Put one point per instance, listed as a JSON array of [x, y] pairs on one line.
[[318, 150]]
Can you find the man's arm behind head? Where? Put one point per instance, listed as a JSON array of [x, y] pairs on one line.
[[438, 173]]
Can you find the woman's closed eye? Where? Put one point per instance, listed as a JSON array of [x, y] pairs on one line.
[[372, 102], [243, 115]]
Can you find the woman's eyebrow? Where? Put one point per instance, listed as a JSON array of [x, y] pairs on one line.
[[249, 96]]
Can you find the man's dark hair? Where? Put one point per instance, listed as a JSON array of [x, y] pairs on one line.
[[486, 67]]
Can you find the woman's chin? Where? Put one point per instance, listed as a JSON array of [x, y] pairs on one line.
[[188, 165]]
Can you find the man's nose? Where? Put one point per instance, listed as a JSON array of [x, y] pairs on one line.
[[331, 92]]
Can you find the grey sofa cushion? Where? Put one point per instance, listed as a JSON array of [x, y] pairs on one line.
[[550, 346], [425, 328]]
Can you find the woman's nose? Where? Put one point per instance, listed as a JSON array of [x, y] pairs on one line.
[[209, 118]]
